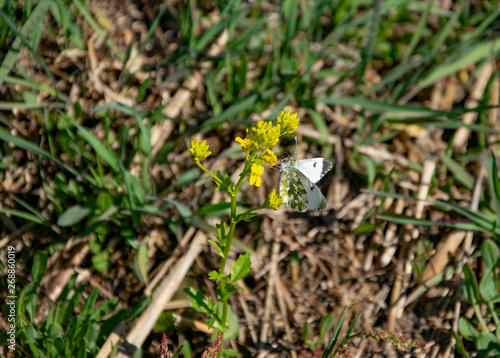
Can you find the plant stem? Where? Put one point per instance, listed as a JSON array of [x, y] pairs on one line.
[[229, 238]]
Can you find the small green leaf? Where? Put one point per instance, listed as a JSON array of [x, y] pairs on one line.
[[305, 331], [471, 288], [99, 148], [199, 302], [101, 261], [230, 353], [214, 275], [493, 183], [328, 351], [55, 331], [459, 345], [176, 354], [142, 90], [241, 268], [104, 200], [326, 325], [487, 345], [39, 266], [217, 246], [353, 324], [140, 264], [73, 215], [487, 287], [187, 177], [467, 329], [370, 169]]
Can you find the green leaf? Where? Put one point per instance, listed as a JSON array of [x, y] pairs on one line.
[[227, 352], [54, 330], [179, 351], [328, 351], [214, 275], [100, 261], [241, 268], [469, 55], [142, 90], [25, 33], [145, 136], [487, 345], [99, 148], [461, 175], [490, 254], [493, 183], [471, 288], [488, 288], [35, 148], [353, 324], [88, 306], [187, 177], [459, 345], [305, 331], [225, 182], [39, 266], [138, 308], [140, 263], [217, 246], [199, 302], [104, 200], [212, 209], [73, 215], [326, 325]]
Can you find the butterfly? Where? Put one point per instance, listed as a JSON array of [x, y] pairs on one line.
[[297, 183]]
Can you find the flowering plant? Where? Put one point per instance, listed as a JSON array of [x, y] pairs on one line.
[[257, 145]]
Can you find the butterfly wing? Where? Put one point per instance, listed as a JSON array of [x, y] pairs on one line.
[[315, 198], [313, 169], [292, 190]]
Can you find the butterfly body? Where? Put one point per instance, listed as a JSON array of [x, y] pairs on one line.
[[297, 184]]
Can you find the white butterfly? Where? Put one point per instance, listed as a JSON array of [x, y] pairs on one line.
[[297, 188]]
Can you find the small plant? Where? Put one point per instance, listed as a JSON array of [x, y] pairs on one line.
[[482, 328], [66, 330], [257, 145], [340, 349]]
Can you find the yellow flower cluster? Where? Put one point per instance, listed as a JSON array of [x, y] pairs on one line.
[[288, 122], [274, 200], [266, 135], [199, 150]]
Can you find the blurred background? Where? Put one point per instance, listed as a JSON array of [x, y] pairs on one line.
[[100, 197]]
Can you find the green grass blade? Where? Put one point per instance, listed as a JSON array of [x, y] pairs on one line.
[[100, 149], [26, 216], [493, 182], [95, 26], [380, 107], [26, 32], [461, 175], [27, 145], [367, 54], [468, 56]]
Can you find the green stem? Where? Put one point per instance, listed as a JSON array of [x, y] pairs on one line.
[[217, 180], [229, 237]]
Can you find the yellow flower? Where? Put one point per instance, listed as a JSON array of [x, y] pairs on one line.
[[199, 150], [274, 200], [247, 145], [257, 171], [264, 134], [268, 157], [288, 122]]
